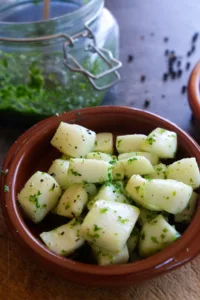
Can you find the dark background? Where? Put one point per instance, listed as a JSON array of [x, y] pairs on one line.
[[143, 26]]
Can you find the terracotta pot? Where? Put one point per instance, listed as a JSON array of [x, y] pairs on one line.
[[32, 151], [194, 92]]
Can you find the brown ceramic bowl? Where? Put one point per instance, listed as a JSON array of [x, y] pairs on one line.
[[32, 151], [194, 92]]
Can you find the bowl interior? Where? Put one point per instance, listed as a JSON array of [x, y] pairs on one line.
[[38, 154]]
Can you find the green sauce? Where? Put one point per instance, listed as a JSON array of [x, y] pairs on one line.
[[40, 87]]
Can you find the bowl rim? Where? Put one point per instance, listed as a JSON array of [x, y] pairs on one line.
[[167, 259], [194, 91]]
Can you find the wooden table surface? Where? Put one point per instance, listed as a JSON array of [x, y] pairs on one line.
[[148, 29]]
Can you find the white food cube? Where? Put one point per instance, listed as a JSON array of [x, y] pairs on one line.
[[99, 156], [132, 241], [137, 165], [154, 160], [159, 172], [109, 224], [90, 189], [118, 171], [72, 201], [156, 235], [185, 170], [73, 140], [105, 258], [186, 215], [104, 142], [59, 170], [129, 142], [161, 142], [89, 170], [159, 194], [108, 192], [64, 240], [39, 196]]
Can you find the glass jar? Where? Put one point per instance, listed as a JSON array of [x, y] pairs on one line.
[[48, 67]]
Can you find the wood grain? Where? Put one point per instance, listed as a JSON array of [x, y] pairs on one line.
[[143, 25]]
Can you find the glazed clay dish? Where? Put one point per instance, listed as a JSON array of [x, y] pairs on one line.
[[194, 92], [33, 151]]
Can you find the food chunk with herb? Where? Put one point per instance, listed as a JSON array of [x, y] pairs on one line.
[[159, 194], [72, 201], [39, 196], [90, 189], [99, 156], [129, 142], [161, 142], [137, 165], [146, 215], [59, 171], [89, 170], [73, 140], [154, 160], [186, 215], [185, 170], [156, 235], [105, 258], [104, 142], [109, 224], [159, 172], [108, 192], [65, 239]]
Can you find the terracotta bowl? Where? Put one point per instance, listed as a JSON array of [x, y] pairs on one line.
[[32, 151], [194, 92]]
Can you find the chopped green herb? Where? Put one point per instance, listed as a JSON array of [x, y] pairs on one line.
[[109, 176], [34, 199], [112, 162], [6, 188], [95, 143], [147, 177], [174, 193], [137, 188], [63, 252], [67, 206], [154, 222], [154, 239], [107, 183], [44, 206], [118, 174], [161, 130], [121, 220], [165, 230], [151, 140], [96, 228], [191, 180], [76, 222], [75, 173], [130, 160], [162, 236], [118, 143], [103, 210]]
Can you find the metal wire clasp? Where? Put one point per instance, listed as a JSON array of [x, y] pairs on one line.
[[106, 55]]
